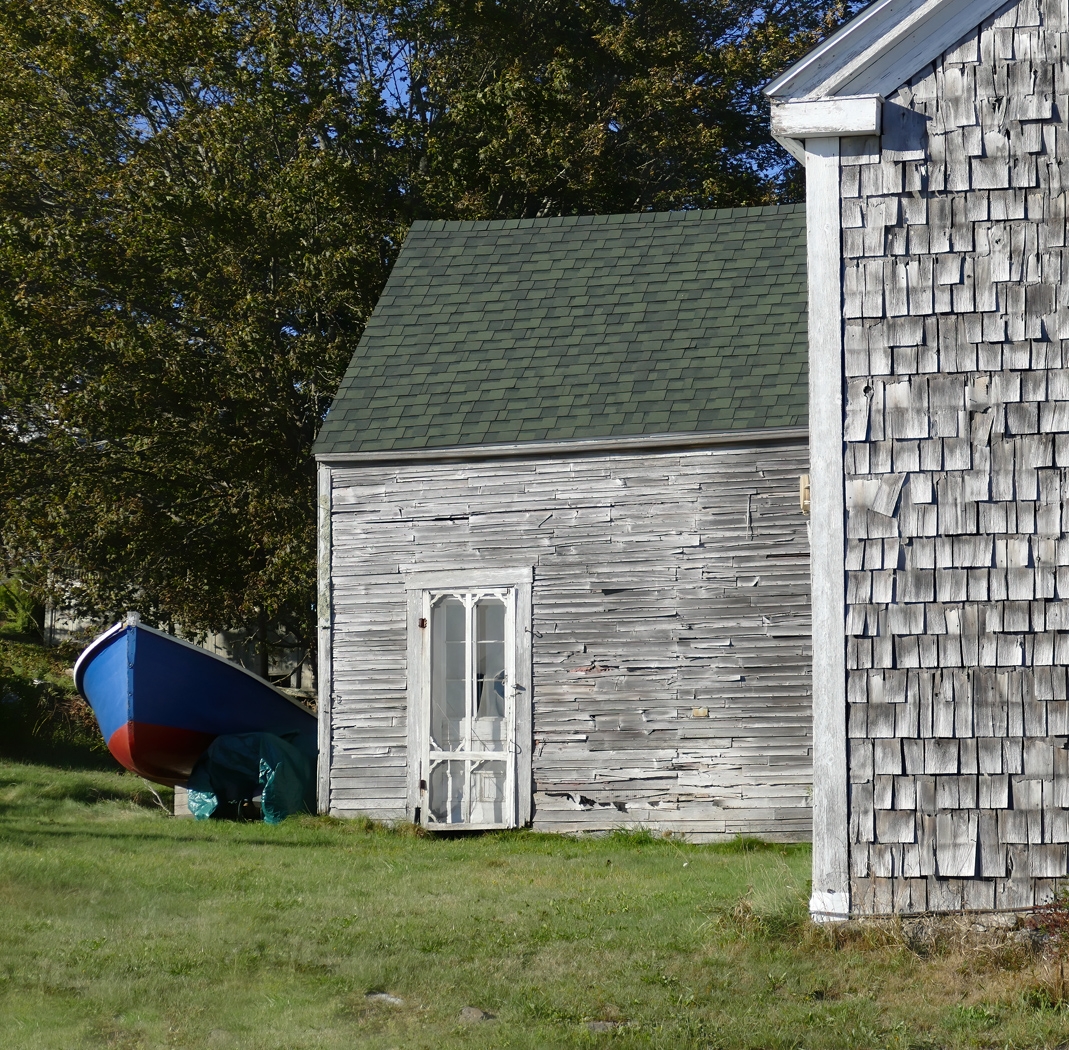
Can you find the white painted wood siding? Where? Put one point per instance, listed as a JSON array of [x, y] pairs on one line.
[[663, 583]]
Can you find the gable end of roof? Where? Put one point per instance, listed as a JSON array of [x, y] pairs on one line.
[[881, 48]]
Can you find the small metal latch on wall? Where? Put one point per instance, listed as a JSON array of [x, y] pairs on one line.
[[803, 493]]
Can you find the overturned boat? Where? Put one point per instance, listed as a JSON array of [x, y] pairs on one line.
[[161, 701]]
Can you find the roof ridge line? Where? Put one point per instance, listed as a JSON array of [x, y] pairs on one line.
[[672, 214]]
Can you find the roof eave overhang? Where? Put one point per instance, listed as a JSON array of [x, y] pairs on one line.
[[868, 58], [637, 443], [812, 75]]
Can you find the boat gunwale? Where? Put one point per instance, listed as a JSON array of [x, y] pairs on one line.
[[93, 649], [96, 646]]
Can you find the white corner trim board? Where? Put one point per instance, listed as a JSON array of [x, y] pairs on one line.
[[827, 527], [324, 676], [829, 907], [827, 116]]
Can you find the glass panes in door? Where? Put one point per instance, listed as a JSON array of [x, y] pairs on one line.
[[469, 758], [489, 706], [449, 651]]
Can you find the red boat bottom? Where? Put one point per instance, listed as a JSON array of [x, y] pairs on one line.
[[160, 753]]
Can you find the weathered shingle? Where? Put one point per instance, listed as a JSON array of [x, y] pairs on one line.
[[602, 326]]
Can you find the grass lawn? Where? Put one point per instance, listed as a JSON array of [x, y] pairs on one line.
[[124, 927]]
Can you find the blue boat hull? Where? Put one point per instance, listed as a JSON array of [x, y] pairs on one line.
[[160, 701]]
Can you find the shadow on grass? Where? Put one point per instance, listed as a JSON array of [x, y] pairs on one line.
[[75, 757], [28, 790], [71, 787], [749, 844], [13, 834]]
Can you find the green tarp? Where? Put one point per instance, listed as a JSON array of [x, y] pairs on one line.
[[246, 765]]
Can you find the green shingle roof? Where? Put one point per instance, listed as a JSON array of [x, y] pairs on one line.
[[588, 327]]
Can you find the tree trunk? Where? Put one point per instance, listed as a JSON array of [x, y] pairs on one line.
[[261, 644], [39, 616]]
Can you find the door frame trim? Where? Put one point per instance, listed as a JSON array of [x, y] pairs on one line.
[[520, 580]]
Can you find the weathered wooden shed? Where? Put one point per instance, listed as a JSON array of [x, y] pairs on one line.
[[564, 573], [935, 141]]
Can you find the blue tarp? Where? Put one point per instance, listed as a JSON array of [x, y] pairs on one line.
[[245, 765]]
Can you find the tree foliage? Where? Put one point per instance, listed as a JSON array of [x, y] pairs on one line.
[[546, 108], [200, 202]]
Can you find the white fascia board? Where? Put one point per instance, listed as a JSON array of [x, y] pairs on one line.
[[804, 78], [881, 48], [640, 443], [912, 44], [819, 118]]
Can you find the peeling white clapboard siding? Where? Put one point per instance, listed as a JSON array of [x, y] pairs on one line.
[[665, 585]]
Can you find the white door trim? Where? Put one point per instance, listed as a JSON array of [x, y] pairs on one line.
[[419, 584]]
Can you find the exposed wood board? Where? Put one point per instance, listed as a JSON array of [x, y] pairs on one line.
[[833, 116], [804, 78], [745, 501]]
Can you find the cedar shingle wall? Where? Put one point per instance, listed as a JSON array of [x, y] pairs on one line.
[[957, 476]]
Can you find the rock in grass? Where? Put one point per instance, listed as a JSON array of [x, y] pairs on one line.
[[385, 997], [472, 1014]]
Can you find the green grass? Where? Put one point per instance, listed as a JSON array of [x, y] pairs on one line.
[[125, 928]]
